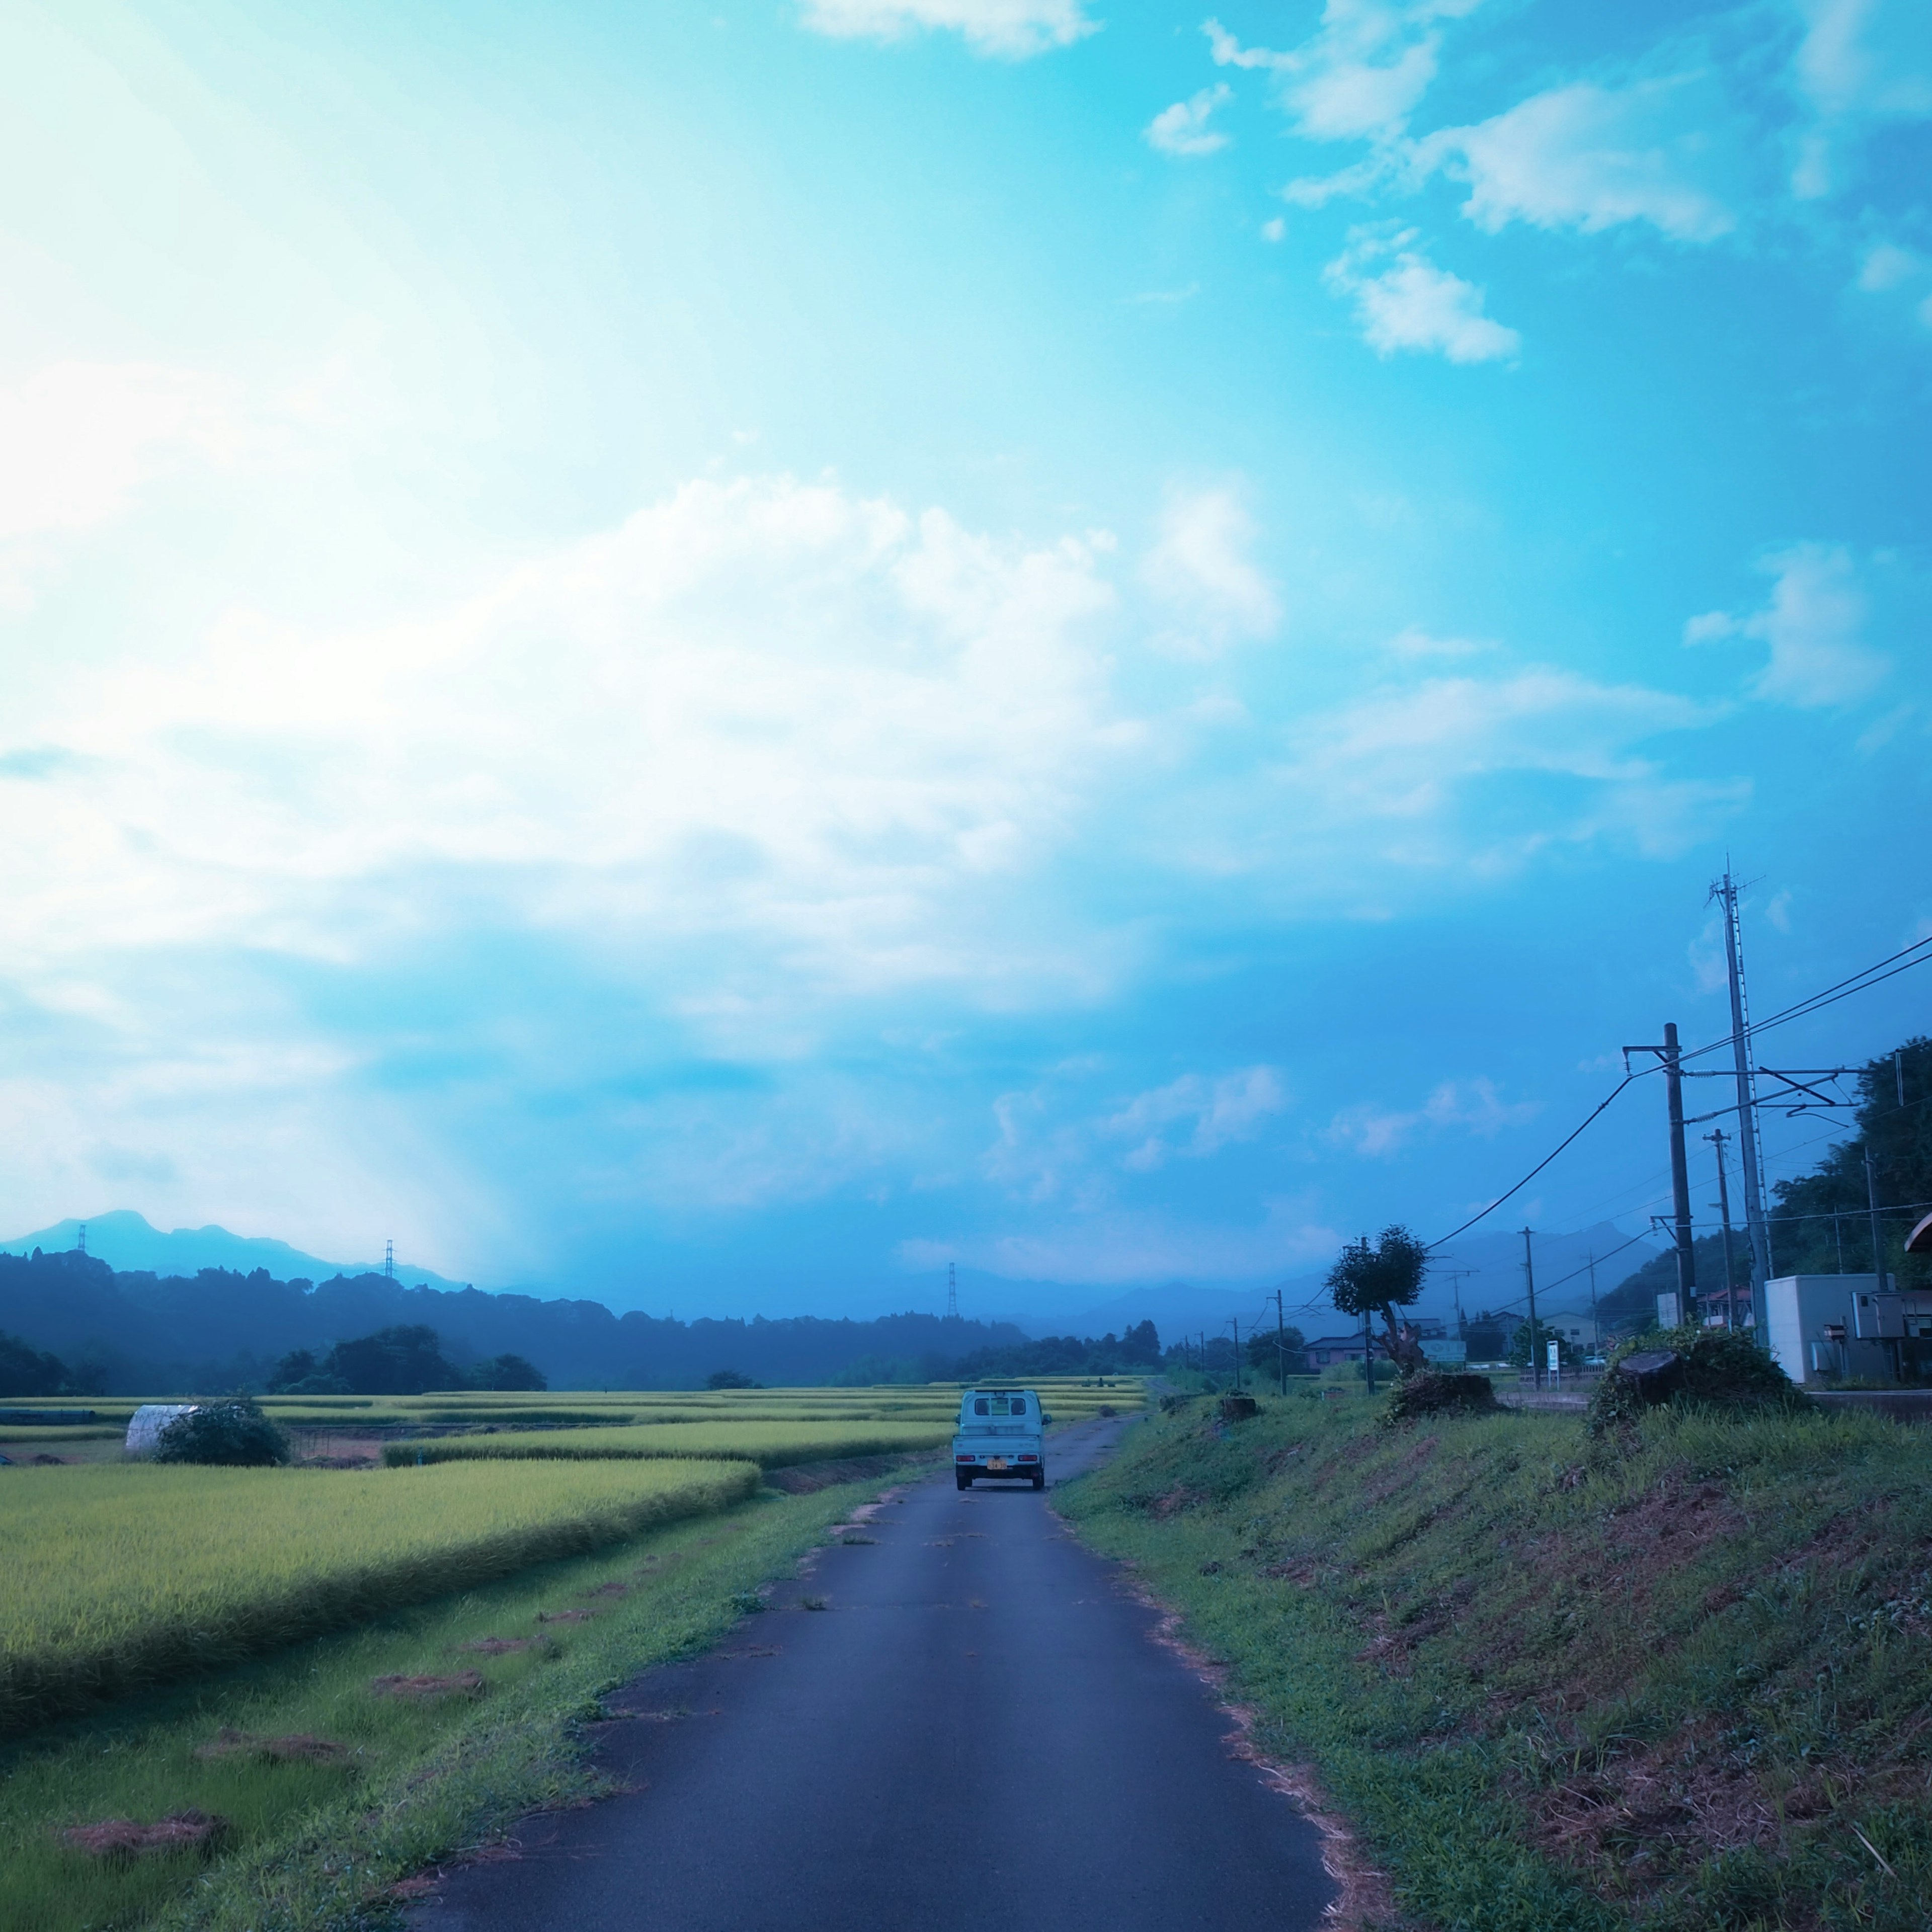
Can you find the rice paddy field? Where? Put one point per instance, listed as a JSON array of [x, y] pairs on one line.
[[123, 1575]]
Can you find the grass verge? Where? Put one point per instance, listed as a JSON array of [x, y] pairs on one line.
[[1681, 1678], [318, 1845]]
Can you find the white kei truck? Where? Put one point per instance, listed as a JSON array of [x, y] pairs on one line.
[[1000, 1436]]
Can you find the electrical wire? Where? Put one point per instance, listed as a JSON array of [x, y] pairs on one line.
[[1911, 956]]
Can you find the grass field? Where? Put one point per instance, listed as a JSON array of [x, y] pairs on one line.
[[120, 1575], [1681, 1680], [313, 1845]]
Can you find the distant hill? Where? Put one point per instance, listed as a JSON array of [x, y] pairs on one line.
[[137, 1333], [125, 1241]]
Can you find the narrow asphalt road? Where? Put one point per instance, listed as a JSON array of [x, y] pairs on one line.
[[978, 1730]]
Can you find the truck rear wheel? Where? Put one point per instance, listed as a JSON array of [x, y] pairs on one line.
[[962, 1479], [1040, 1479]]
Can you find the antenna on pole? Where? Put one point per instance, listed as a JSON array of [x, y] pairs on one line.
[[952, 1293], [389, 1260]]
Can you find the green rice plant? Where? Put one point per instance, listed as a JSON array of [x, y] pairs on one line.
[[124, 1574], [771, 1445], [312, 1836]]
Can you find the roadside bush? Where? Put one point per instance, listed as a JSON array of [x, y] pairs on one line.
[[1437, 1392], [1719, 1368], [235, 1434]]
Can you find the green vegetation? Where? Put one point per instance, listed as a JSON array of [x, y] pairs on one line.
[[312, 1839], [1677, 1676], [124, 1574], [771, 1445], [27, 1371], [1716, 1369], [235, 1433]]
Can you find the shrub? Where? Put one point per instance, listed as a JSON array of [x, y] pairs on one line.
[[507, 1373], [235, 1433]]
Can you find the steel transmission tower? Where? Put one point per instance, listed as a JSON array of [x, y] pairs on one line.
[[952, 1294]]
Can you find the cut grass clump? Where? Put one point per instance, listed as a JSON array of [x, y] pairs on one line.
[[1679, 1678], [1721, 1370], [126, 1574], [1438, 1392]]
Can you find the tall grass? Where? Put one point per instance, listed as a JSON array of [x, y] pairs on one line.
[[121, 1575]]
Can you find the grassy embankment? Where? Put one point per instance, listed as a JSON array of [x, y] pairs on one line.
[[312, 1843], [1679, 1678]]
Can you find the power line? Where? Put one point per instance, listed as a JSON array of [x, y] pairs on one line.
[[1874, 975]]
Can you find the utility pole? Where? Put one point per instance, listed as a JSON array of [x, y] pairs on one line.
[[1716, 1137], [83, 1237], [1281, 1344], [1234, 1322], [952, 1294], [1368, 1351], [1877, 1236], [1535, 1339], [1680, 1173], [1751, 1160], [1596, 1328]]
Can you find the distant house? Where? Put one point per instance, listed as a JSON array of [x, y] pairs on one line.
[[1327, 1349]]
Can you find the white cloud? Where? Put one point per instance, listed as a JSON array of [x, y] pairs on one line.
[[1860, 62], [1201, 568], [1412, 304], [1886, 267], [1011, 29], [1361, 73], [1474, 1106], [1868, 57], [1274, 229], [1417, 759], [1814, 625], [1183, 129], [78, 440], [1591, 157], [1414, 644], [1209, 1113], [761, 708]]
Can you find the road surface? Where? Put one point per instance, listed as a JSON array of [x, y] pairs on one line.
[[977, 1732]]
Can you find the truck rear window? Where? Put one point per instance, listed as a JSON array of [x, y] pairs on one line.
[[999, 1405]]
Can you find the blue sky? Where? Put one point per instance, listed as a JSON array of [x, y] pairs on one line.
[[717, 654]]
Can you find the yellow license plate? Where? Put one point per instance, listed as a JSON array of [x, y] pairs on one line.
[[996, 1462]]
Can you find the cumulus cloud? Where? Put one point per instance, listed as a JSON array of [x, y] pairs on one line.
[[1182, 130], [1861, 63], [1410, 303], [1886, 267], [1011, 29], [1591, 157], [1416, 758], [1194, 1117], [1200, 566], [1814, 625], [1475, 1106], [1361, 73], [834, 714], [79, 441]]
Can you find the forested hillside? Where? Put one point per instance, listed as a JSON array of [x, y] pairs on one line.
[[131, 1334]]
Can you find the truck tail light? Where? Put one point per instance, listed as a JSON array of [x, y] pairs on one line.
[[1029, 1458], [962, 1458]]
